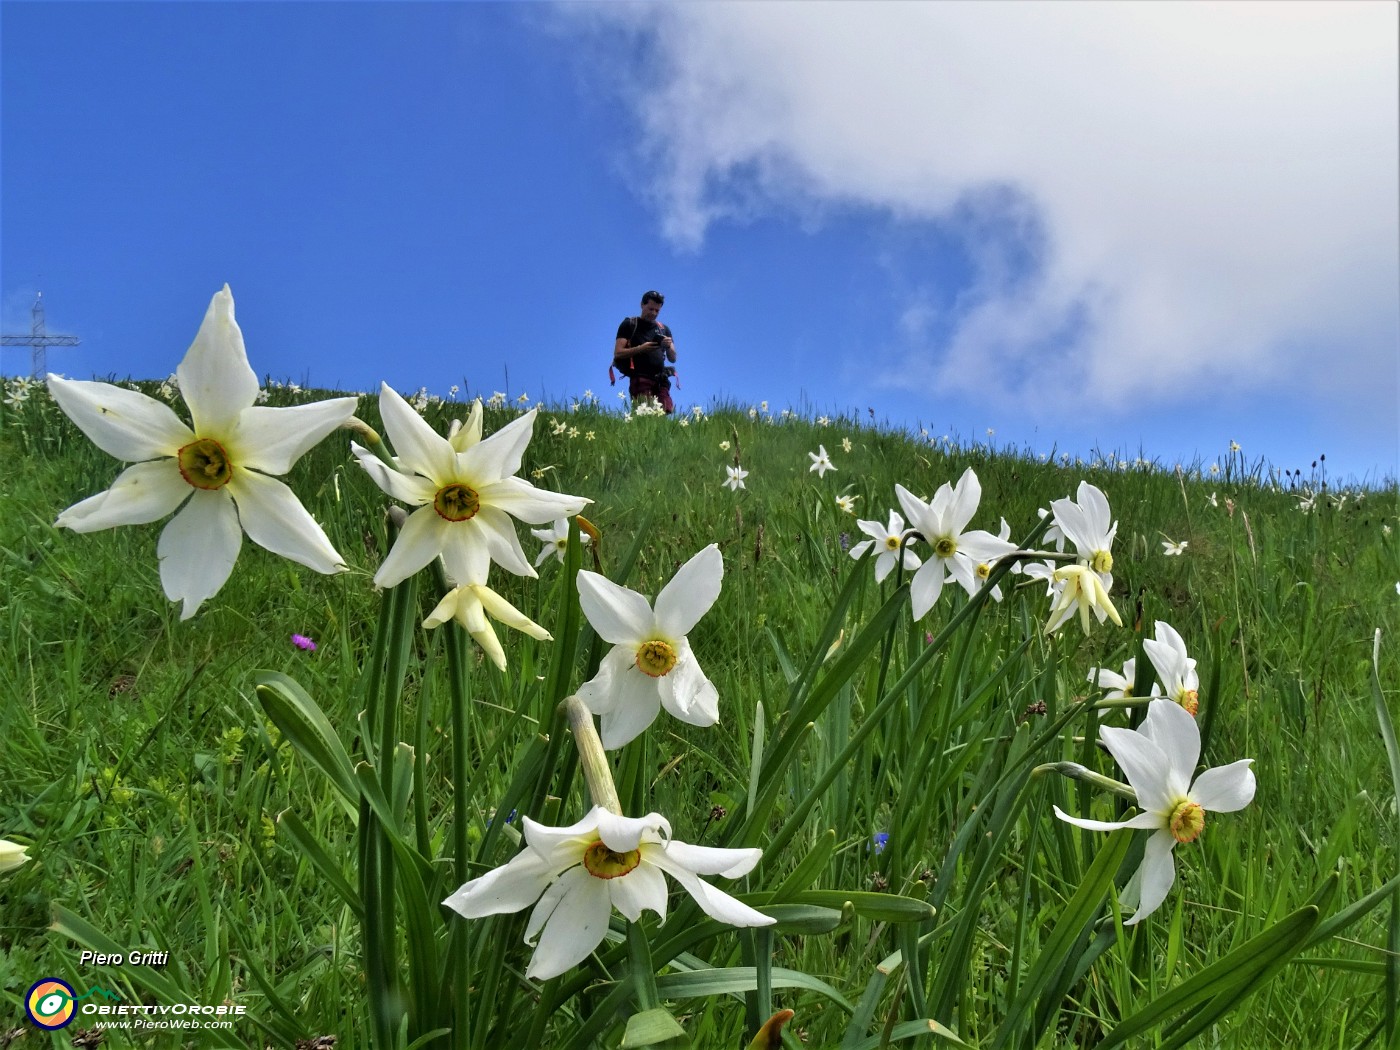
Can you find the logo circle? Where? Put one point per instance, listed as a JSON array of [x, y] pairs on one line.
[[49, 1003]]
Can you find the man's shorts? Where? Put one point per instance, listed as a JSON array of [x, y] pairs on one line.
[[658, 387]]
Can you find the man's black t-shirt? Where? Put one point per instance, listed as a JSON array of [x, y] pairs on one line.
[[637, 331]]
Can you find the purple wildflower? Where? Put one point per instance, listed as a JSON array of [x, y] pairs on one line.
[[303, 642]]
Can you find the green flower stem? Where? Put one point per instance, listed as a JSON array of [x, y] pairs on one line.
[[458, 683], [381, 1024], [458, 680], [384, 686], [596, 773], [1125, 702], [403, 601], [549, 999], [369, 436], [1075, 771]]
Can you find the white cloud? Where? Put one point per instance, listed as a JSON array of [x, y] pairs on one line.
[[1212, 187]]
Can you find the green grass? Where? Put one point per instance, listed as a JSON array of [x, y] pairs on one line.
[[142, 773]]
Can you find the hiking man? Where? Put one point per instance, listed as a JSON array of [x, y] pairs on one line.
[[643, 349]]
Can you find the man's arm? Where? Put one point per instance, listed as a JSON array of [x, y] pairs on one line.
[[621, 349]]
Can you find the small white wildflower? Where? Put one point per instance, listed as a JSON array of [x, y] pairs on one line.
[[821, 462]]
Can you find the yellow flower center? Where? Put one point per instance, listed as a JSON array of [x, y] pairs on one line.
[[603, 863], [562, 543], [1186, 821], [945, 547], [892, 543], [205, 464], [1102, 561], [655, 658], [983, 571], [1189, 699], [456, 503]]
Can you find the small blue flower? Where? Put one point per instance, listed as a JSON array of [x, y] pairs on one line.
[[845, 541], [881, 839]]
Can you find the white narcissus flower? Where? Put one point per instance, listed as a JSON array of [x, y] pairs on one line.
[[982, 571], [651, 664], [12, 855], [955, 552], [1119, 686], [1175, 668], [1053, 533], [821, 462], [556, 540], [1172, 549], [469, 603], [220, 469], [1089, 526], [847, 504], [735, 481], [891, 545], [1082, 590], [578, 874], [1041, 570], [465, 490], [1158, 759]]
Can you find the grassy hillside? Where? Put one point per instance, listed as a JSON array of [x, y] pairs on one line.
[[147, 780]]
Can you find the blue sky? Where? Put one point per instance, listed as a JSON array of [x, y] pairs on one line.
[[1118, 226]]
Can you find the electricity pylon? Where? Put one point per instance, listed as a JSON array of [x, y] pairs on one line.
[[38, 340]]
